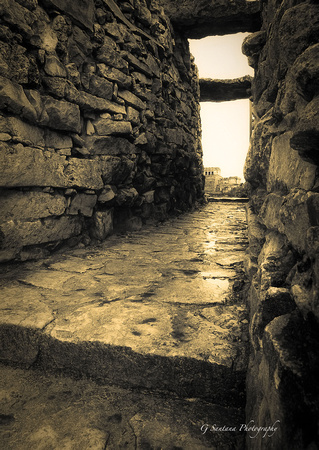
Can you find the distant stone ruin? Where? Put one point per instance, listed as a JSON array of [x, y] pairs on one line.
[[215, 184], [212, 179]]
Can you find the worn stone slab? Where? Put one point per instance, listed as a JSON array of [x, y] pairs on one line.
[[193, 290], [39, 411], [155, 302], [12, 97], [89, 102], [32, 312], [57, 140], [16, 234], [22, 132], [212, 90], [108, 145], [26, 166], [132, 100], [287, 169], [201, 19], [61, 115], [82, 203], [30, 205], [114, 75], [105, 127]]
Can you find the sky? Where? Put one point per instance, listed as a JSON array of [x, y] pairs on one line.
[[225, 125]]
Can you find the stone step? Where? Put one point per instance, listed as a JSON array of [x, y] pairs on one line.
[[161, 309], [52, 412]]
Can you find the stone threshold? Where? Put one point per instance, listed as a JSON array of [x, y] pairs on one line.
[[161, 309]]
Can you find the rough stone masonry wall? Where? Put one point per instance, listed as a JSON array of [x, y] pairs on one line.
[[283, 262], [99, 122]]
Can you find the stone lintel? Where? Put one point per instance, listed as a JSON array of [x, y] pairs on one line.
[[199, 19], [224, 90]]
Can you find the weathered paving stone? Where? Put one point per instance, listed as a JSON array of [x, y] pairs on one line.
[[53, 412], [151, 310], [176, 316]]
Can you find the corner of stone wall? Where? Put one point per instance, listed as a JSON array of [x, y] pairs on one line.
[[99, 122], [283, 220]]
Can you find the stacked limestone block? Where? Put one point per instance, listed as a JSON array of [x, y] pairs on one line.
[[99, 122], [283, 263]]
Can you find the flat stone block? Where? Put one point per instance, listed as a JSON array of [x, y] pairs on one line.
[[287, 169], [83, 173], [46, 279], [101, 87], [114, 75], [17, 234], [23, 132], [82, 203], [31, 312], [61, 115], [57, 140], [89, 102], [102, 224], [30, 205], [25, 166], [132, 100], [193, 290], [12, 96], [108, 145], [105, 127]]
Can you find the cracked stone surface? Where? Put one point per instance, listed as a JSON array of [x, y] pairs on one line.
[[162, 310], [52, 412]]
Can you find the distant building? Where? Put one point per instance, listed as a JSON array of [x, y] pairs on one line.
[[216, 184], [228, 184], [212, 178]]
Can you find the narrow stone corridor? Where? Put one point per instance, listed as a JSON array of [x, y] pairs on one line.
[[140, 342]]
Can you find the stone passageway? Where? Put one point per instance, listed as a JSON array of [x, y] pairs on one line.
[[136, 343]]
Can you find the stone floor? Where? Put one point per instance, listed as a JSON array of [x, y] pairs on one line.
[[136, 343]]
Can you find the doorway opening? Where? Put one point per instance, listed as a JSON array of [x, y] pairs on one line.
[[225, 125]]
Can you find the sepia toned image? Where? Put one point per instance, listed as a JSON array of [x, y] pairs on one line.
[[159, 225]]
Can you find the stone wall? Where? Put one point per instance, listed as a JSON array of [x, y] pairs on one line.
[[99, 122], [283, 215]]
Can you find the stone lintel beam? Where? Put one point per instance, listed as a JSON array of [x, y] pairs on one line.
[[200, 18], [224, 90]]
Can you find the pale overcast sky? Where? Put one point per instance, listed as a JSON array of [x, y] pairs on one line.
[[225, 135]]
